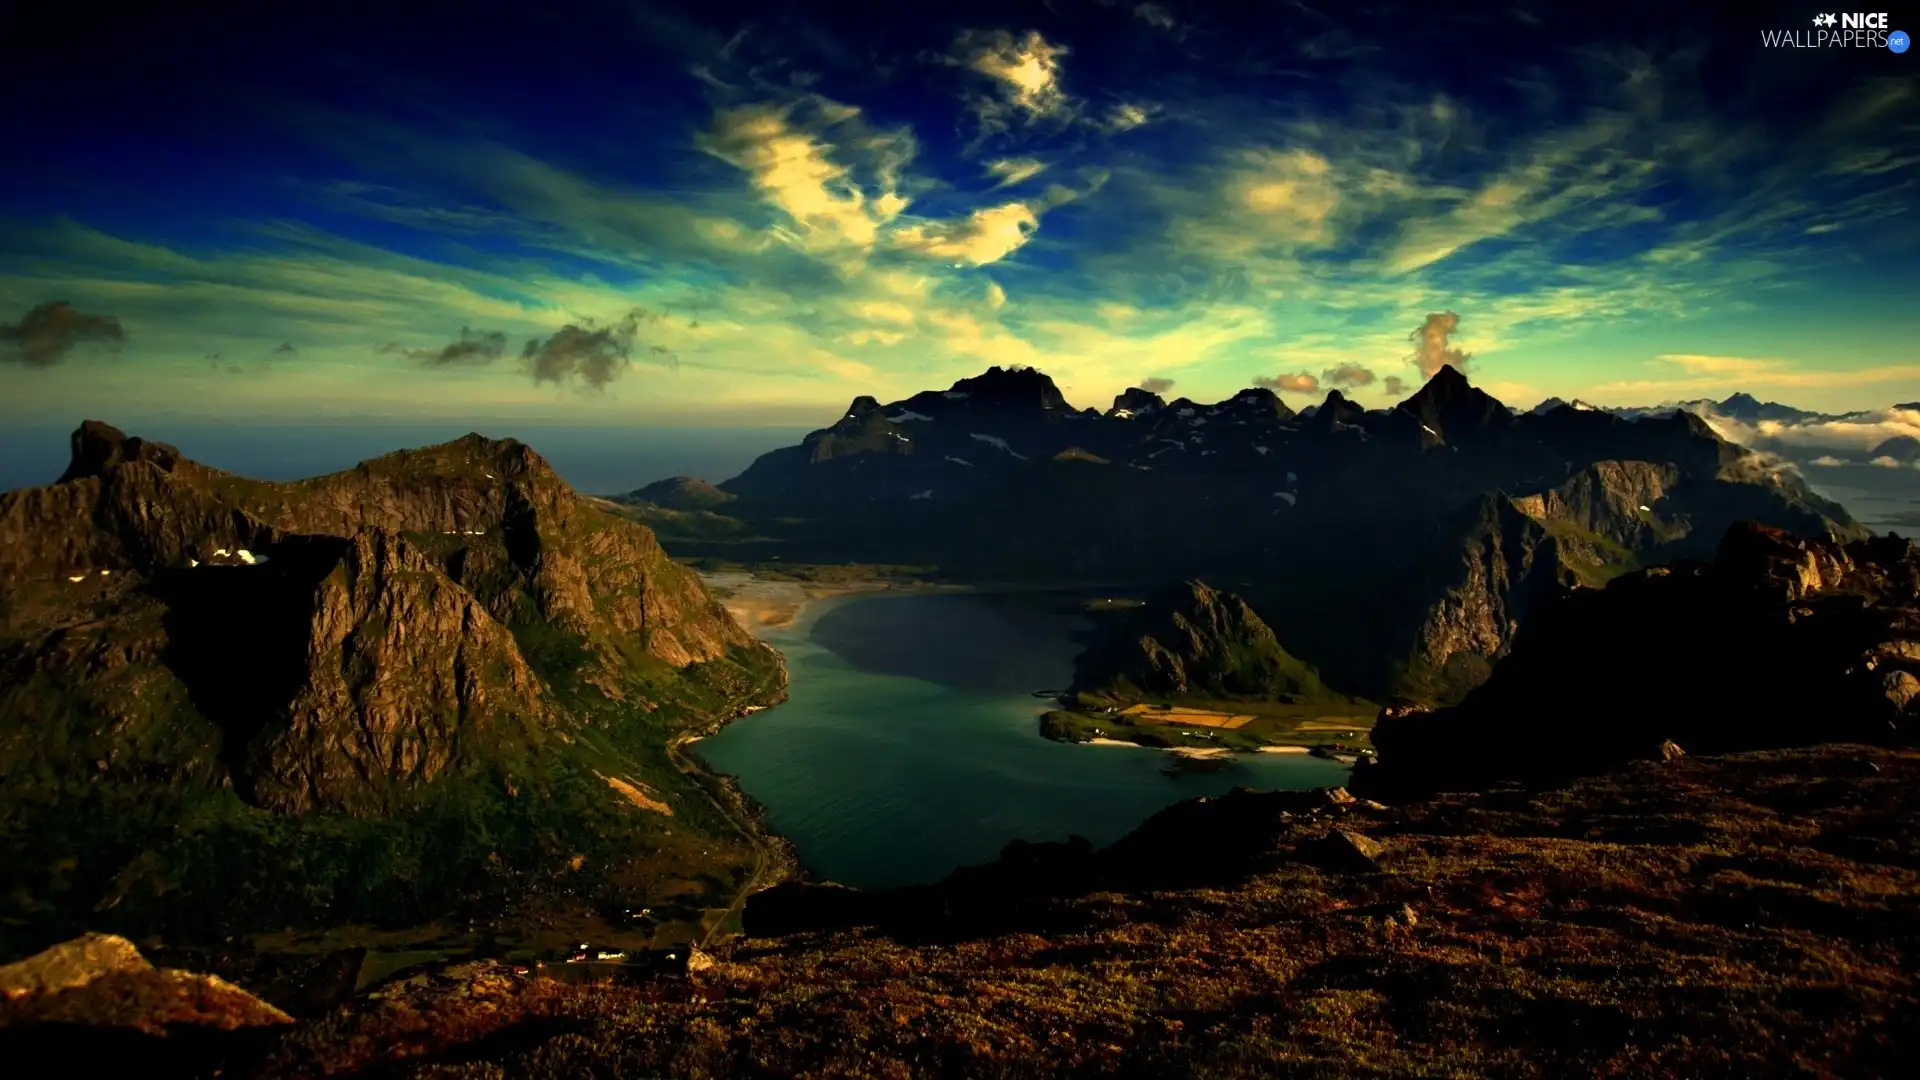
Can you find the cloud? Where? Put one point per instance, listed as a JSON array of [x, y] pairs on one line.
[[1431, 351], [46, 334], [1156, 385], [1347, 375], [470, 348], [1394, 385], [1817, 440], [996, 296], [1155, 16], [596, 355], [792, 166], [1123, 117], [984, 236], [1025, 74], [285, 348], [1012, 171], [1697, 374], [1299, 382]]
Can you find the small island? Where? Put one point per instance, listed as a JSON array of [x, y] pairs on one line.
[[1198, 671]]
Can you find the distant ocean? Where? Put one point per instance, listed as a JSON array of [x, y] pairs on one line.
[[596, 460]]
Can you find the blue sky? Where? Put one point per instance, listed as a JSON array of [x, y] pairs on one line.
[[611, 213]]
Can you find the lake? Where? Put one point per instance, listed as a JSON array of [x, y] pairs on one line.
[[910, 743]]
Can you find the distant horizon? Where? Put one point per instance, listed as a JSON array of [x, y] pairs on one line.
[[595, 461]]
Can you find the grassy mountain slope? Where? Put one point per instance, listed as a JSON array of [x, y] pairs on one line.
[[409, 701]]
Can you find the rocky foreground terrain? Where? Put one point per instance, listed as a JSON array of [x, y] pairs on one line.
[[1777, 640], [1754, 915]]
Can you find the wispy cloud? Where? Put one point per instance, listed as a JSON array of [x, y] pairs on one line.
[[791, 165], [1693, 374], [1011, 171], [471, 347]]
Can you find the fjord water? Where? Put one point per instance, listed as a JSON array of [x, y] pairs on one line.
[[910, 743]]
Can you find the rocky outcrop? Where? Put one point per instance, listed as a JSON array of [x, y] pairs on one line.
[[122, 505], [406, 674], [681, 493], [1191, 641], [1779, 640], [102, 981], [1605, 500], [1501, 566]]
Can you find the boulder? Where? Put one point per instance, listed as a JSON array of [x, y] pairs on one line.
[[102, 981], [70, 965], [1900, 688], [1346, 851]]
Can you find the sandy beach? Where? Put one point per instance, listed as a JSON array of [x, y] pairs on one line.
[[761, 605], [1197, 751]]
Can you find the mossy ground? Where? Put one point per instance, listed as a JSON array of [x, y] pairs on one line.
[[1753, 916], [1334, 722]]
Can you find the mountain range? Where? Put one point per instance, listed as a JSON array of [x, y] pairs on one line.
[[1395, 550], [437, 682]]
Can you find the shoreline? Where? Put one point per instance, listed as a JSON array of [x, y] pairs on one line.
[[1200, 752], [763, 607]]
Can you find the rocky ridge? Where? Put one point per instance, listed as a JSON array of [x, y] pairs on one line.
[[1775, 640], [1345, 527]]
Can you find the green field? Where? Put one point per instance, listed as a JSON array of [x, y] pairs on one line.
[[1343, 722]]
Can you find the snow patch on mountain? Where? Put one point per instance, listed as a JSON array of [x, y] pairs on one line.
[[995, 440]]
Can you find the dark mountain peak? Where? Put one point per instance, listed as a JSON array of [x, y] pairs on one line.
[[1548, 406], [862, 405], [1335, 410], [1901, 448], [1448, 379], [682, 493], [1740, 402], [1192, 641], [1137, 402], [1012, 386], [1450, 406], [1258, 400], [99, 446], [1694, 424]]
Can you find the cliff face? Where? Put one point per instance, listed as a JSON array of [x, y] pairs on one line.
[[1605, 499], [1778, 640], [407, 678], [1193, 642], [1496, 566]]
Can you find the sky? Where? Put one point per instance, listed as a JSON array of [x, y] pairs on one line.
[[596, 214]]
